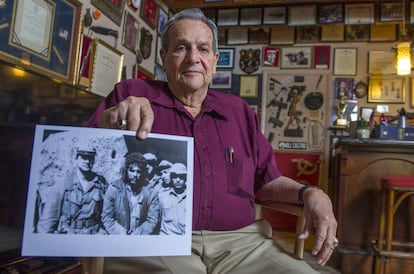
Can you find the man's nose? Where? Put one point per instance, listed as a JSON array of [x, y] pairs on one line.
[[193, 55]]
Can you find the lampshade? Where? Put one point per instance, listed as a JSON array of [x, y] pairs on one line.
[[404, 58]]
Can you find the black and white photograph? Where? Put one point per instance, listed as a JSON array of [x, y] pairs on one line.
[[102, 192]]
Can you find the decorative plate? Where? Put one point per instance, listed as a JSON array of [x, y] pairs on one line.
[[314, 100]]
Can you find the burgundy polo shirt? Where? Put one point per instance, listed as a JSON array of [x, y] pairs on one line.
[[224, 189]]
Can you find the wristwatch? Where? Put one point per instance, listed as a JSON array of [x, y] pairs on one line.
[[302, 191]]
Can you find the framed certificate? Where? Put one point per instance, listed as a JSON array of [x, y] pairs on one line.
[[345, 61], [304, 15], [249, 85], [42, 36], [381, 62], [356, 14], [106, 67]]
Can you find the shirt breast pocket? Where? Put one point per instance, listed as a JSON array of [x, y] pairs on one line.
[[240, 177]]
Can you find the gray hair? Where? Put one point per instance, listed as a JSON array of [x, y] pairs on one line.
[[192, 14]]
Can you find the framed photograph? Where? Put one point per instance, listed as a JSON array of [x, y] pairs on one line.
[[226, 58], [383, 32], [381, 62], [46, 42], [249, 85], [345, 61], [365, 113], [282, 35], [391, 11], [130, 32], [112, 9], [343, 87], [106, 68], [274, 15], [356, 33], [259, 35], [332, 33], [221, 79], [296, 57], [330, 13], [386, 90], [237, 36], [160, 73], [271, 56], [162, 19], [56, 153], [302, 15], [322, 57], [227, 17], [358, 14], [149, 12], [307, 34], [250, 16], [143, 73]]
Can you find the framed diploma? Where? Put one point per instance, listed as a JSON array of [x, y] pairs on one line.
[[106, 68], [42, 36], [302, 15], [381, 62], [345, 61], [357, 14]]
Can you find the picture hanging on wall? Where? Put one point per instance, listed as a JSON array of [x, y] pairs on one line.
[[221, 79], [249, 85], [149, 12], [330, 13], [271, 56], [296, 57], [282, 35], [112, 9], [130, 32], [226, 58], [332, 33], [274, 15], [293, 108], [386, 89]]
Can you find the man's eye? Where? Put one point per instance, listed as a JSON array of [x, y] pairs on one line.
[[180, 48]]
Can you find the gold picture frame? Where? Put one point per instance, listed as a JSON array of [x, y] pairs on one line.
[[383, 32], [106, 67], [386, 89], [249, 85], [282, 35], [332, 32]]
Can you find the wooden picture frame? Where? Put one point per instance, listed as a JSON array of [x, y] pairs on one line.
[[391, 11], [237, 36], [359, 14], [332, 33], [345, 61], [250, 16], [222, 79], [271, 56], [274, 15], [258, 35], [249, 86], [227, 17], [105, 68], [384, 89], [383, 32], [302, 15], [149, 12], [308, 34], [130, 33], [112, 9], [357, 33], [296, 57], [226, 58], [381, 62], [282, 35], [330, 13], [48, 44]]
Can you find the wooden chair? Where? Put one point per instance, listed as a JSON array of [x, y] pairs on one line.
[[95, 265], [300, 222]]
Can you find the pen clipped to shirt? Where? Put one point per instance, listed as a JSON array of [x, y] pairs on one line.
[[230, 154]]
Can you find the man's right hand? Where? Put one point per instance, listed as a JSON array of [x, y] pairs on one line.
[[136, 111]]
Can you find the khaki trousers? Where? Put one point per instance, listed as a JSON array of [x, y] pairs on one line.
[[248, 250]]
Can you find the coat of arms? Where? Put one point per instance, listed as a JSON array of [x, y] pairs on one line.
[[145, 43], [249, 60]]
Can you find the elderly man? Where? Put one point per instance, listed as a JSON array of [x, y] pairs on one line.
[[233, 161]]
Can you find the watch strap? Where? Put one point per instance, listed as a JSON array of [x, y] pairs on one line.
[[302, 191]]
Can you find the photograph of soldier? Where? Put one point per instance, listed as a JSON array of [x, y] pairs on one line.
[[131, 204], [172, 201]]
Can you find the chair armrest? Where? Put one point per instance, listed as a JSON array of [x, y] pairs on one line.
[[295, 210]]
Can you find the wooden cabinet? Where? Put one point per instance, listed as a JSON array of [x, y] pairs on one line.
[[358, 167]]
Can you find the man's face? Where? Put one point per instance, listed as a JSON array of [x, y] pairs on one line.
[[165, 175], [178, 180], [190, 60], [133, 173], [85, 161]]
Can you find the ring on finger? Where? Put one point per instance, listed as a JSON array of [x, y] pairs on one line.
[[335, 242], [122, 124]]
